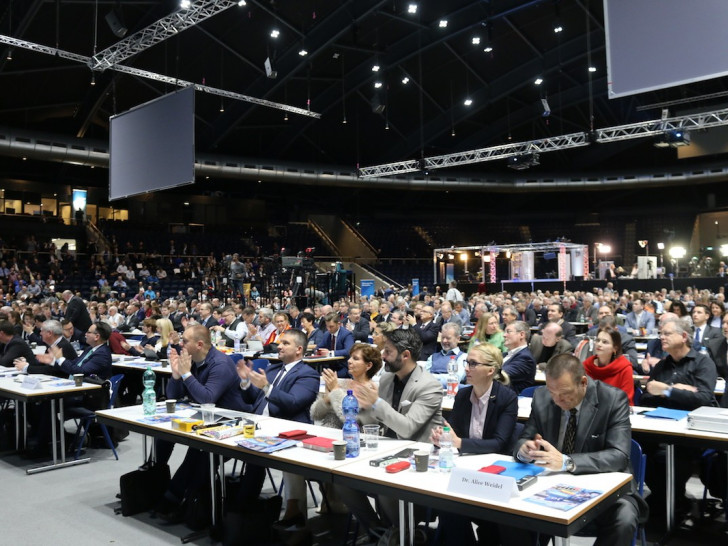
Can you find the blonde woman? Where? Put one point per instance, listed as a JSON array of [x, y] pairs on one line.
[[487, 330]]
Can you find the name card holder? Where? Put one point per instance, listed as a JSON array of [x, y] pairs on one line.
[[31, 383], [483, 485]]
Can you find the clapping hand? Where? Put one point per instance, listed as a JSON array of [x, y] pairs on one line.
[[329, 377]]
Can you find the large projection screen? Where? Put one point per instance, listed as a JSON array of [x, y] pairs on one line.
[[152, 146], [653, 44]]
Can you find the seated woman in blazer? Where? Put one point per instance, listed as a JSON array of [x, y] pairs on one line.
[[471, 433]]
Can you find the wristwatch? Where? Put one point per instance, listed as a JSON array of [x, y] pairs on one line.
[[569, 465]]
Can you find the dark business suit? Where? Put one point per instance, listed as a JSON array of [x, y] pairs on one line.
[[88, 363], [536, 347], [602, 444], [77, 313], [428, 335], [131, 322], [708, 334], [521, 369], [16, 348], [213, 381], [718, 350], [344, 341], [360, 331], [68, 352], [500, 420], [290, 399]]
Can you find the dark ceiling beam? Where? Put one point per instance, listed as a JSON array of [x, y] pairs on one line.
[[19, 32], [321, 36], [45, 69], [413, 21], [589, 13], [358, 49], [522, 36], [229, 49], [465, 64]]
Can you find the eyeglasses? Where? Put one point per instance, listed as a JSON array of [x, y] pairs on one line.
[[474, 364]]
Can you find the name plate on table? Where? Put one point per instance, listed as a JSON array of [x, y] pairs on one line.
[[482, 485], [31, 383]]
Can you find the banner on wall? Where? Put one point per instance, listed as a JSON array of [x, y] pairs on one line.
[[415, 287], [367, 287]]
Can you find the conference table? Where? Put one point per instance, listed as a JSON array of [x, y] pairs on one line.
[[669, 432], [430, 488], [40, 388]]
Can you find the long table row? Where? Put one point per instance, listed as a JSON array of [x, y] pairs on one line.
[[430, 488]]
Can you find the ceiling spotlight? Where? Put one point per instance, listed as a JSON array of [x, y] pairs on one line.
[[488, 49], [93, 80], [375, 68], [185, 4], [10, 54], [377, 85], [405, 80], [558, 28], [443, 23], [522, 162], [476, 40], [468, 101], [538, 81], [343, 121], [242, 3], [412, 8], [592, 69], [303, 52], [275, 33]]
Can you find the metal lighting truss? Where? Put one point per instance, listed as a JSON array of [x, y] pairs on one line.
[[159, 31], [631, 131], [156, 77]]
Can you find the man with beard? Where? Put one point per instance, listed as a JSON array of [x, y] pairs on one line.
[[407, 403]]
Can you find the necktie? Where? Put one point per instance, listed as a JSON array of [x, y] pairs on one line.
[[85, 357], [697, 335], [570, 435], [333, 343]]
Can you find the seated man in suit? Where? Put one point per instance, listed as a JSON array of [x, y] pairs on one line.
[[549, 343], [13, 345], [131, 320], [581, 426], [437, 364], [285, 390], [556, 314], [428, 330], [358, 326], [51, 333], [639, 318], [337, 341], [684, 380], [518, 362], [407, 403], [94, 361], [703, 332], [718, 350], [655, 352], [75, 337], [204, 375]]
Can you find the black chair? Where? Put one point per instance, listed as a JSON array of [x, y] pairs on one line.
[[87, 416]]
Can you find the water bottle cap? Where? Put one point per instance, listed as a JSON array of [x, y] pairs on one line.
[[446, 429], [349, 391]]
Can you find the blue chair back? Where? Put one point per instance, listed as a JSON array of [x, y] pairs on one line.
[[236, 357], [639, 464], [260, 364], [637, 396], [528, 391], [115, 383]]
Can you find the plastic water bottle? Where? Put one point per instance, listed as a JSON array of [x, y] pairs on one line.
[[350, 430], [236, 345], [149, 396], [213, 337], [446, 458], [452, 378]]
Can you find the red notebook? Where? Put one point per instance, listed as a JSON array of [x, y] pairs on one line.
[[297, 434], [319, 443]]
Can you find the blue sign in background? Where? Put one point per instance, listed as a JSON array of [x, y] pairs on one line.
[[415, 287], [367, 287]]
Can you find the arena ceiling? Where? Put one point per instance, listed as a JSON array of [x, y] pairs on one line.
[[427, 71]]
